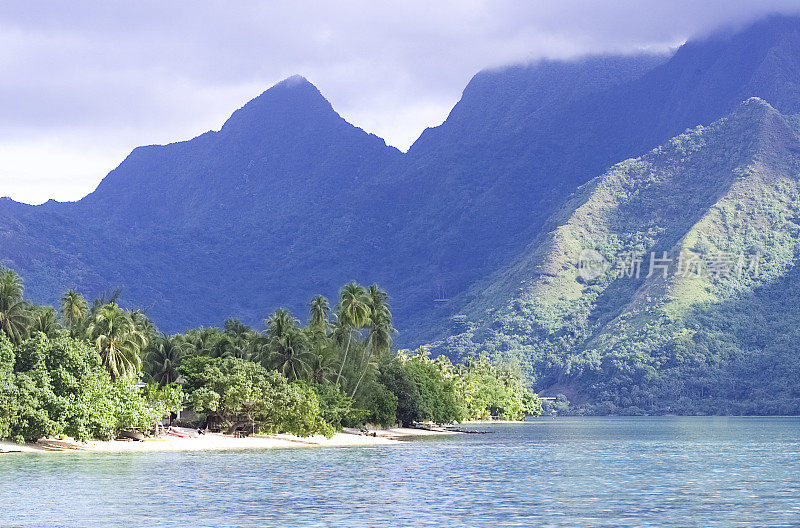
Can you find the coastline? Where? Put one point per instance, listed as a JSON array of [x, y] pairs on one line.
[[219, 442]]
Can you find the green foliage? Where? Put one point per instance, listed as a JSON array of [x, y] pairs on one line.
[[488, 391], [380, 405], [395, 377], [14, 314], [74, 309], [8, 390], [80, 382], [165, 399], [689, 343], [241, 391], [287, 346], [352, 314], [163, 357], [434, 383], [337, 408], [62, 389], [44, 319], [119, 339]]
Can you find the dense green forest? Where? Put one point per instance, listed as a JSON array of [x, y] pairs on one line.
[[89, 370], [712, 330]]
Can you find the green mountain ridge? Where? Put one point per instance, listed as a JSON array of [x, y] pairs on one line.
[[724, 197]]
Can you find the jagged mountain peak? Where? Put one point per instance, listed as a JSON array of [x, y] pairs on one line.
[[280, 143], [290, 100]]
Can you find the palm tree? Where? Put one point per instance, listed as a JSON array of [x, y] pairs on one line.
[[236, 329], [290, 355], [221, 347], [104, 299], [352, 313], [285, 345], [379, 338], [240, 338], [118, 340], [202, 339], [281, 323], [14, 314], [320, 314], [164, 357], [74, 309], [43, 319], [320, 365], [145, 325]]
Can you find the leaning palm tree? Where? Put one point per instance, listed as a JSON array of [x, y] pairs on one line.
[[14, 313], [380, 326], [74, 309], [164, 358], [118, 340], [352, 313]]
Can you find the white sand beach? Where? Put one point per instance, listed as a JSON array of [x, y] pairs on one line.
[[214, 441]]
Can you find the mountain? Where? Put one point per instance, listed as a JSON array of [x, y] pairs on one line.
[[289, 200], [286, 201], [709, 320], [232, 223], [521, 140]]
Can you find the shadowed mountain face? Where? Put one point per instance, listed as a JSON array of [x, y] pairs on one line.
[[231, 223], [285, 155], [288, 200]]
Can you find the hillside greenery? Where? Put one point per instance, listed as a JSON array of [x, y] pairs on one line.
[[675, 342]]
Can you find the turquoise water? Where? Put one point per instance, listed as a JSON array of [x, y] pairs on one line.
[[564, 472]]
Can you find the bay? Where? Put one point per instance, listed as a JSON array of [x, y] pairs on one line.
[[564, 472]]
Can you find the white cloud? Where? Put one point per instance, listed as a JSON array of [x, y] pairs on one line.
[[103, 77], [48, 168]]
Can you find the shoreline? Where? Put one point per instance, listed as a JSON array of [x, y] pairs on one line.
[[219, 442]]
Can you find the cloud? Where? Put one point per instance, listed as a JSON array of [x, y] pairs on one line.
[[86, 82]]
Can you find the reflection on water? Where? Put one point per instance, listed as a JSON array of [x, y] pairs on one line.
[[567, 472]]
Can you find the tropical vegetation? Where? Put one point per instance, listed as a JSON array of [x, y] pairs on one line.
[[89, 370]]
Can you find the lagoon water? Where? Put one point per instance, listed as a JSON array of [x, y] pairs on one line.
[[563, 472]]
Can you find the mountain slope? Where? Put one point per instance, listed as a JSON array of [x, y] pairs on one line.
[[519, 142], [674, 341]]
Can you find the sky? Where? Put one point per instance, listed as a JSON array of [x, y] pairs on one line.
[[83, 83]]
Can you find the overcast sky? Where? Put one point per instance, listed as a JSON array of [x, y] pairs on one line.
[[83, 83]]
